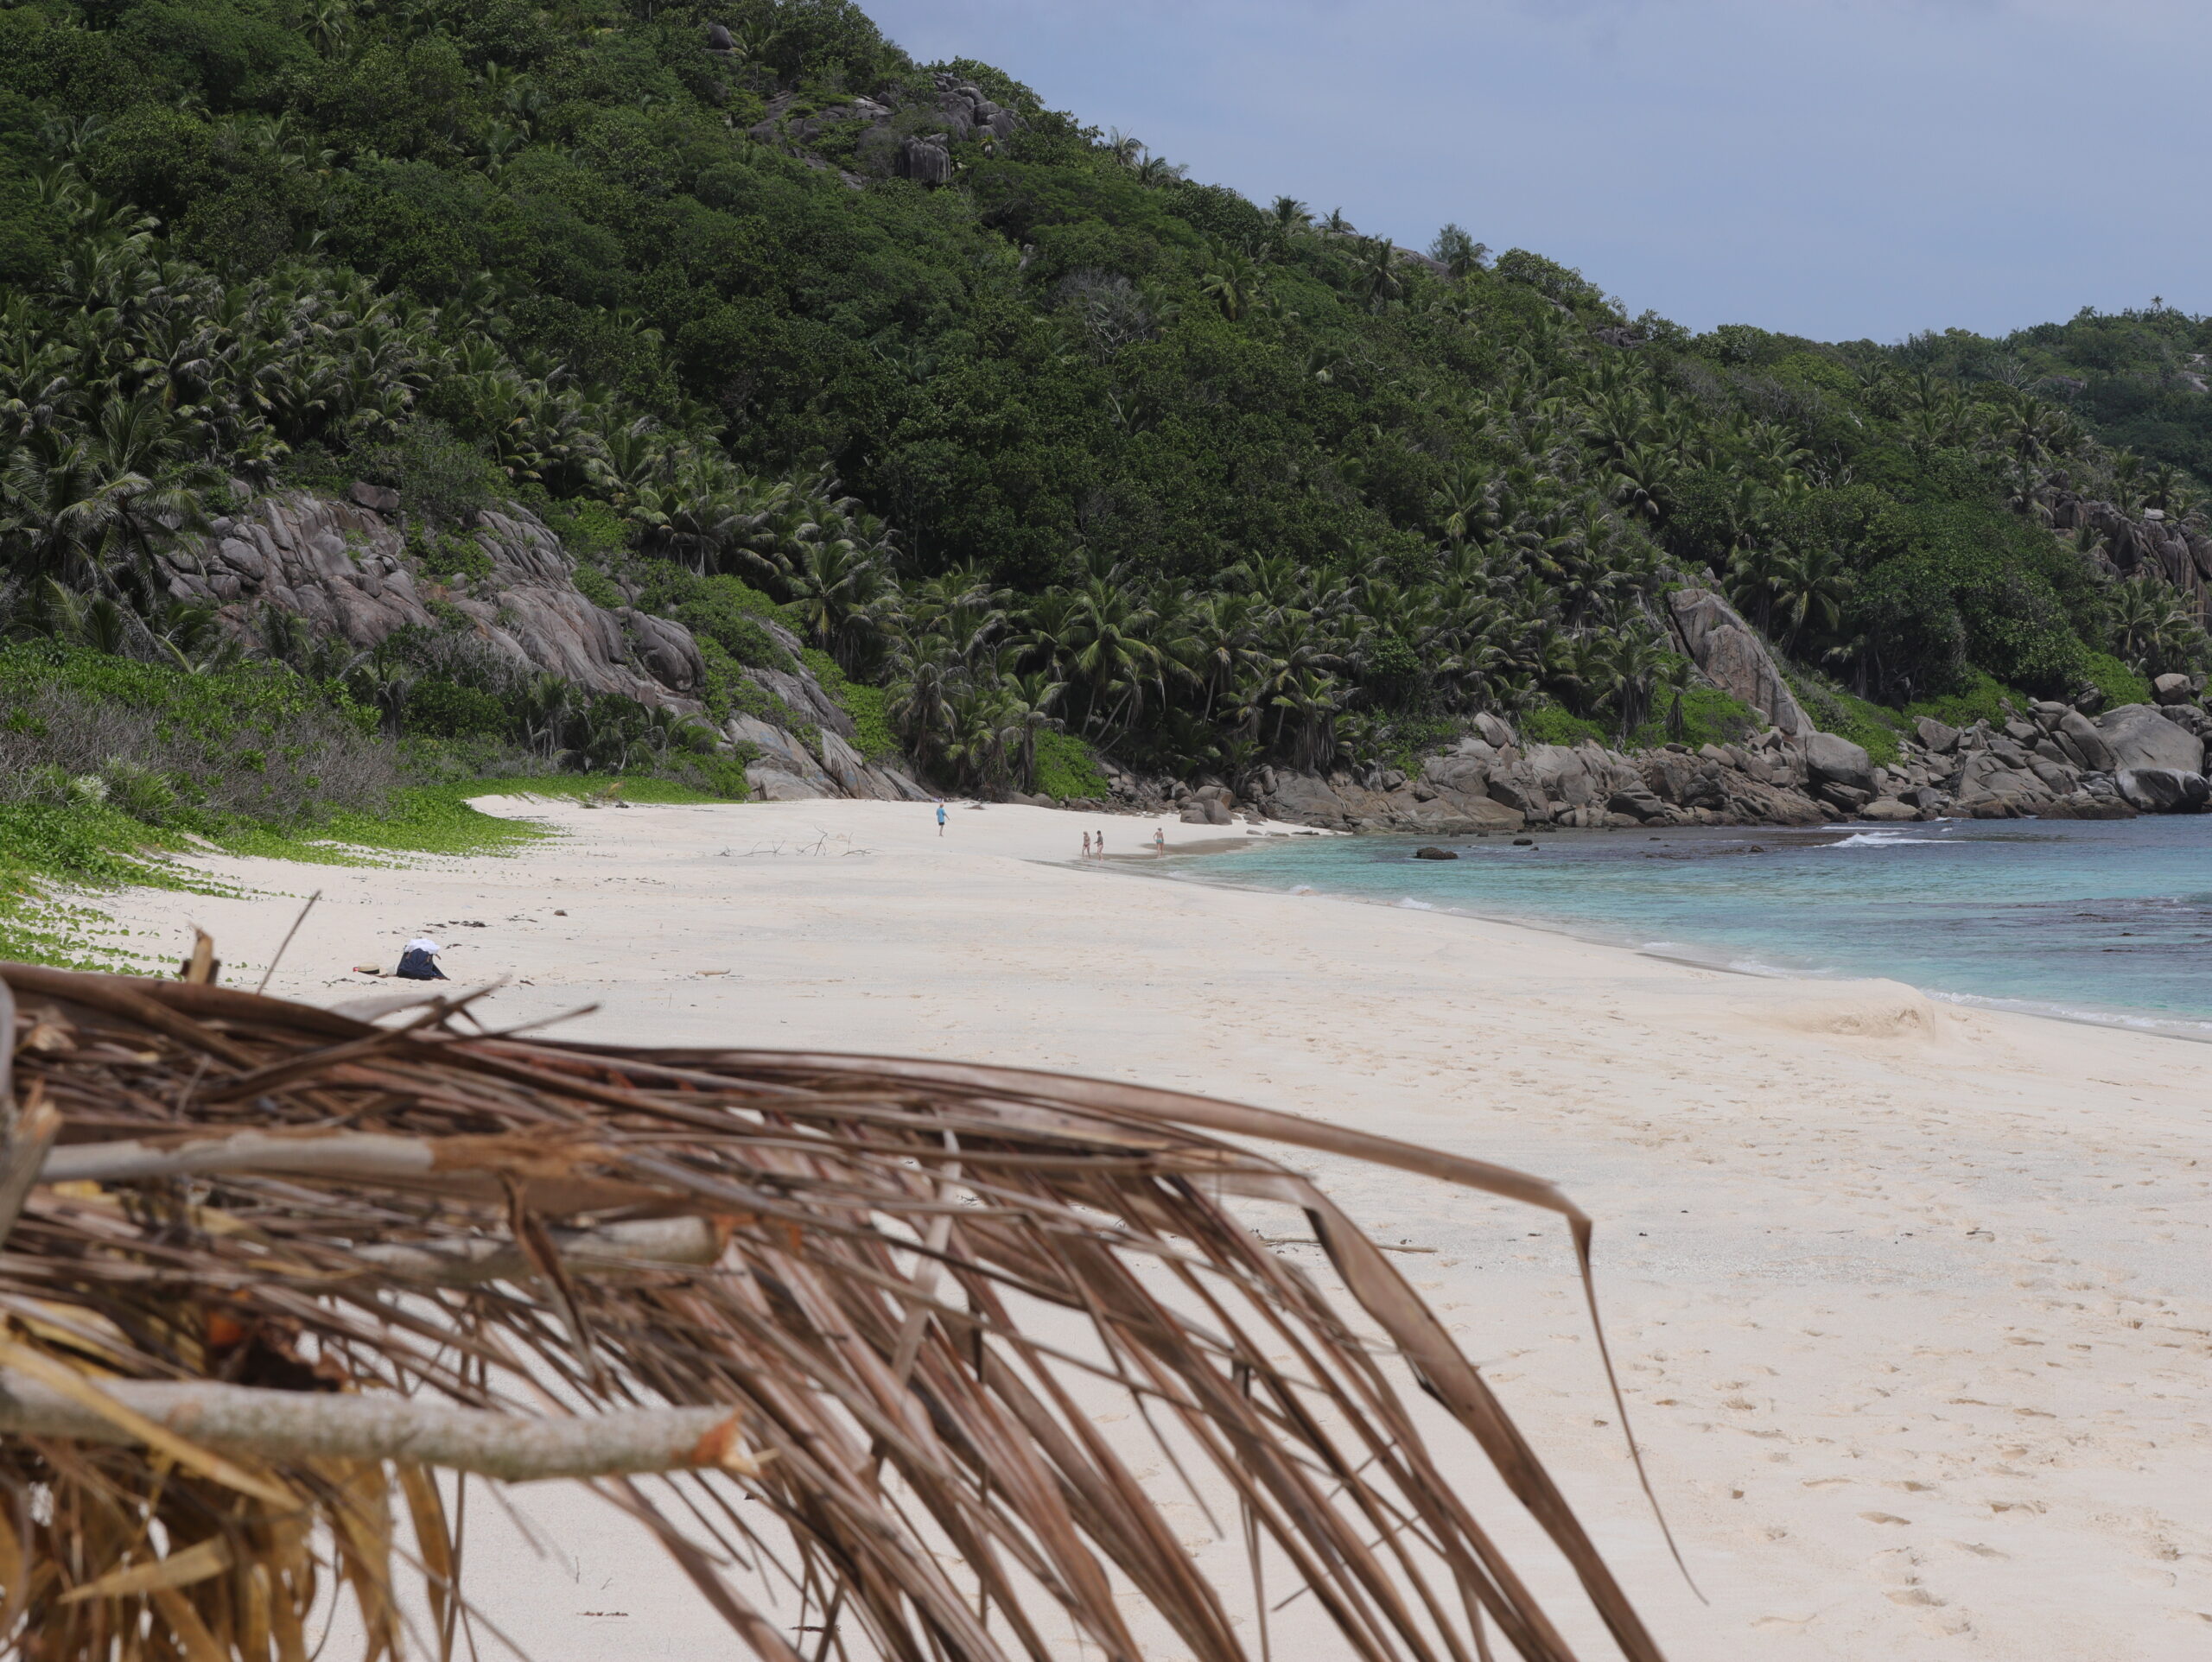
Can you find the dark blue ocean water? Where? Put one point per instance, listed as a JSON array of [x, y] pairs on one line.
[[2101, 920]]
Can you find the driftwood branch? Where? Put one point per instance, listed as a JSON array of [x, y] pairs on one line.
[[301, 1424], [333, 1154]]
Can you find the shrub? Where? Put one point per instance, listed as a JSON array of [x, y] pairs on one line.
[[872, 735], [446, 709], [1547, 724], [1873, 729], [587, 528], [1067, 767], [1980, 697], [2119, 683], [449, 554], [256, 741], [599, 588], [440, 477]]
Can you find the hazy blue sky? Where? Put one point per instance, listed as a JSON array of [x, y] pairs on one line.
[[1830, 167]]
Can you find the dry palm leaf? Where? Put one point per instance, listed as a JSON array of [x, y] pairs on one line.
[[269, 1269]]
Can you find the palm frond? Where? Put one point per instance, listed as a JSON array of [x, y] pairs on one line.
[[276, 1274]]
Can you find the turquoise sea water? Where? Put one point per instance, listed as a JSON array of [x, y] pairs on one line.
[[2099, 920]]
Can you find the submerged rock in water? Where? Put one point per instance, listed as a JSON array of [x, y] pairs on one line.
[[1434, 853], [2083, 806]]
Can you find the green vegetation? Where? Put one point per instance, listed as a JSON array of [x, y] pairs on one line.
[[872, 734], [1066, 768], [1070, 455], [2119, 683], [1707, 716], [1547, 724]]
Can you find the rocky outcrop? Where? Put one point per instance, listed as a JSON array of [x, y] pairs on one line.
[[2052, 762], [345, 568], [2162, 790], [2123, 546], [1734, 657], [2146, 736], [1481, 787], [912, 136]]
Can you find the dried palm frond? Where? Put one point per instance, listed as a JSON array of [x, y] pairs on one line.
[[272, 1274]]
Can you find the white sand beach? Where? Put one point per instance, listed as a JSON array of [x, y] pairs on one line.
[[1913, 1303]]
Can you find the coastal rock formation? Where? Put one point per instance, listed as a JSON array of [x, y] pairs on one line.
[[2143, 736], [1481, 787], [1734, 657], [2053, 763], [2162, 790], [345, 566]]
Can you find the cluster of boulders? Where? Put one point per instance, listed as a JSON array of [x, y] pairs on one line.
[[955, 112], [926, 158], [345, 566], [2054, 761], [2122, 545]]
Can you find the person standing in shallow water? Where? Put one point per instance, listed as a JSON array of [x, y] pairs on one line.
[[940, 816], [1086, 845]]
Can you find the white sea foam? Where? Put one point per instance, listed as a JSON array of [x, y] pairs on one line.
[[1413, 905], [1883, 839]]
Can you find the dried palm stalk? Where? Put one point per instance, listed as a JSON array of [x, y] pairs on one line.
[[272, 1274]]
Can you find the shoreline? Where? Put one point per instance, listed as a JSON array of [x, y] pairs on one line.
[[2184, 1028], [1910, 1301]]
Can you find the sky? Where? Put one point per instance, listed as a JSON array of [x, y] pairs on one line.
[[1836, 169]]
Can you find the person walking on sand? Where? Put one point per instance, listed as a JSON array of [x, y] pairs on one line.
[[1102, 842], [940, 816], [1086, 845]]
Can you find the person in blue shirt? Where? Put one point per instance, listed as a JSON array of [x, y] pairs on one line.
[[940, 816]]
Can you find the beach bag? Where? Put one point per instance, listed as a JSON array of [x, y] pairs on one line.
[[414, 964]]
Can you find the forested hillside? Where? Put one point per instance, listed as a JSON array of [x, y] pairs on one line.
[[1007, 416]]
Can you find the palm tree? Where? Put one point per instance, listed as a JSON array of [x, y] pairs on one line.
[[1108, 652], [1467, 502], [1808, 586], [1024, 709], [838, 593], [1235, 284], [1677, 678], [1307, 703], [1460, 253], [2150, 626], [1375, 278], [1630, 670]]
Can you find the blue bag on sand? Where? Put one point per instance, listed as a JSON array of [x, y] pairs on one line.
[[417, 963]]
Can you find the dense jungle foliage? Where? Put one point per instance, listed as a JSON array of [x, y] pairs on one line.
[[1066, 447]]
